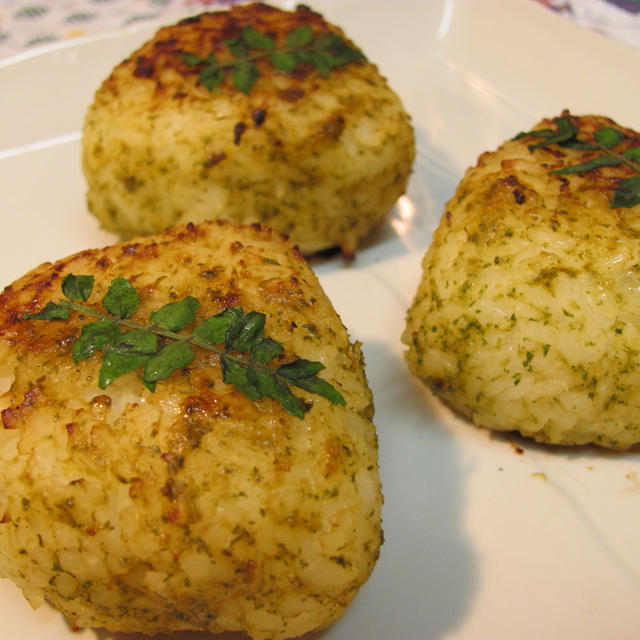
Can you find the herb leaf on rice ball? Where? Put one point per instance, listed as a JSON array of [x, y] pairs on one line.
[[527, 315], [187, 439], [254, 114]]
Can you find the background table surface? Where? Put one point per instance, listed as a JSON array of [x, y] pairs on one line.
[[25, 24]]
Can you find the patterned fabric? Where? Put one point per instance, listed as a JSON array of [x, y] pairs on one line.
[[618, 19], [25, 24]]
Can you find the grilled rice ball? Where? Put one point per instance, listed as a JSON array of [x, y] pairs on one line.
[[191, 507], [321, 158], [527, 315]]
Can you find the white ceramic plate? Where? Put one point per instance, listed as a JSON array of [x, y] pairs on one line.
[[487, 537]]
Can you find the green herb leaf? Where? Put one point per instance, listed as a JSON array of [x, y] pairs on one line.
[[94, 337], [608, 136], [50, 311], [121, 298], [627, 193], [244, 76], [132, 351], [256, 40], [139, 341], [192, 60], [210, 77], [299, 37], [265, 350], [116, 364], [269, 385], [594, 163], [284, 60], [248, 368], [632, 153], [580, 145], [245, 332], [212, 330], [564, 132], [235, 374], [299, 368], [170, 358], [302, 373], [321, 61], [320, 387], [338, 49], [176, 315], [324, 54], [237, 47], [77, 287]]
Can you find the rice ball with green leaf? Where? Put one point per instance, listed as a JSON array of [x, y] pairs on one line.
[[527, 317], [254, 114], [187, 438]]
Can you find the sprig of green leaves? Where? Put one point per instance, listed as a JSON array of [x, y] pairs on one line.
[[605, 139], [324, 53], [236, 337]]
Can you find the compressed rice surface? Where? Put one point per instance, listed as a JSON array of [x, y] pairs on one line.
[[527, 314], [192, 507], [320, 158]]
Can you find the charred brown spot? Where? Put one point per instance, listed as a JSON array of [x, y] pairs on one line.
[[131, 183], [144, 68], [229, 30], [12, 416], [212, 273], [165, 44], [103, 262], [192, 230], [67, 339], [258, 116], [147, 250], [292, 94], [169, 490], [173, 460], [70, 426], [214, 159], [174, 513], [518, 196], [334, 127], [238, 131], [197, 413], [189, 20], [12, 317], [227, 300], [297, 254]]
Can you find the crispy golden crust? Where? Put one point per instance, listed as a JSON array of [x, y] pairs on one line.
[[526, 316], [203, 509], [160, 59], [321, 159]]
